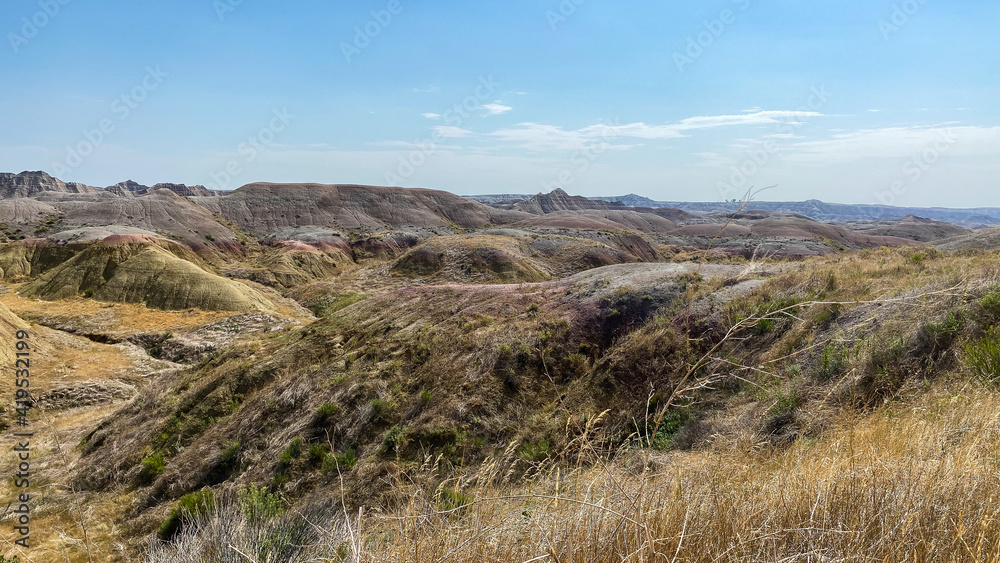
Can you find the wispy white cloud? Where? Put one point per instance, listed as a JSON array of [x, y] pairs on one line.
[[449, 132], [713, 160], [496, 108], [85, 99], [431, 115], [896, 142], [541, 137], [538, 136], [407, 145]]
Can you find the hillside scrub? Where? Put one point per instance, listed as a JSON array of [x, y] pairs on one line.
[[696, 391], [911, 481]]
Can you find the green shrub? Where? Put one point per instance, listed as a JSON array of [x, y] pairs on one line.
[[326, 412], [576, 362], [535, 451], [198, 504], [451, 499], [291, 453], [258, 505], [152, 467], [317, 454], [988, 313], [194, 506], [984, 356], [671, 423], [230, 453], [832, 362], [295, 447], [785, 403], [395, 439], [380, 408], [764, 325], [935, 338], [345, 460]]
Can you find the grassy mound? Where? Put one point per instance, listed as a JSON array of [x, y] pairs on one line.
[[444, 394], [914, 481], [478, 258], [420, 262], [157, 273], [292, 263]]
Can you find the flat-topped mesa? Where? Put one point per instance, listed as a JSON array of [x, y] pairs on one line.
[[28, 184]]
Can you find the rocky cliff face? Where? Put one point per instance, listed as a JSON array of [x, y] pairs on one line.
[[559, 200], [187, 191], [27, 184], [129, 188]]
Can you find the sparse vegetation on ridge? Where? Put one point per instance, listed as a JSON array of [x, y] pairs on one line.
[[582, 390], [553, 392]]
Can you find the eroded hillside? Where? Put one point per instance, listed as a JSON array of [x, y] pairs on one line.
[[412, 354]]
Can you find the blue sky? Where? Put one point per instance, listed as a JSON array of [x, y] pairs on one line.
[[844, 101]]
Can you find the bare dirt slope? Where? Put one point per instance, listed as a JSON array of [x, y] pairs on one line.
[[262, 208]]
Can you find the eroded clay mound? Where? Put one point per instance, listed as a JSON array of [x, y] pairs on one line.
[[487, 259], [263, 208], [32, 257], [291, 263], [138, 269]]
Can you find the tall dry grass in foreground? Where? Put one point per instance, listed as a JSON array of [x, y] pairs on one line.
[[915, 481]]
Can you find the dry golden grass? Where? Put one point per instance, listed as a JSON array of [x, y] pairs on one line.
[[915, 481], [66, 525], [58, 360], [122, 318]]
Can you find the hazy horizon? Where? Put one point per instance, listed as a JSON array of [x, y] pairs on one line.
[[848, 102]]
